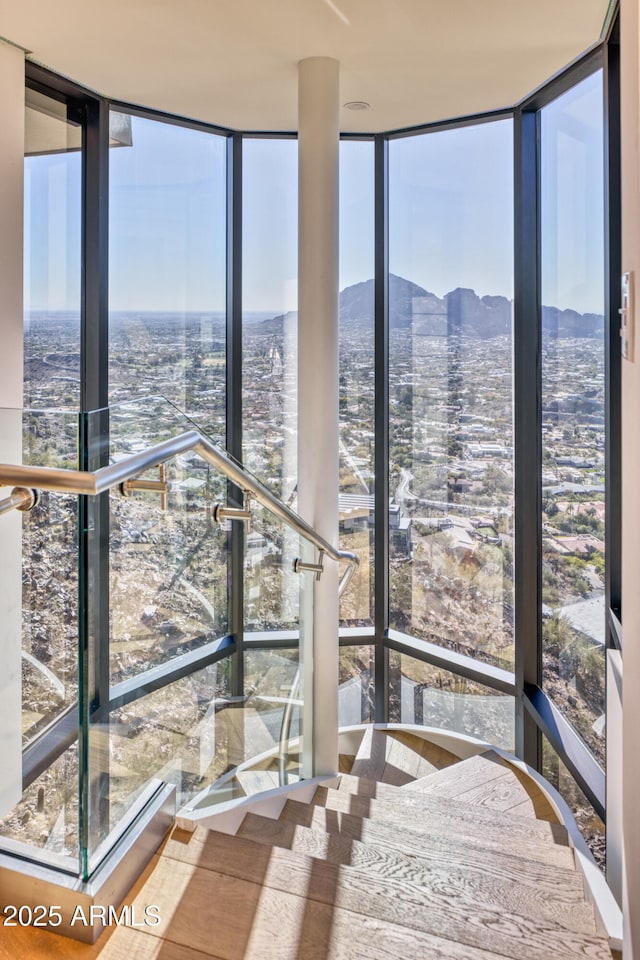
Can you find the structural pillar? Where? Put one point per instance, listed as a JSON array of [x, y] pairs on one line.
[[11, 379], [318, 154]]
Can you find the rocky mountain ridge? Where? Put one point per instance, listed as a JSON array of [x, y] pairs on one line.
[[460, 312]]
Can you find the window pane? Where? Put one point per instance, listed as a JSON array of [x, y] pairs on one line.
[[52, 231], [450, 382], [589, 823], [357, 382], [270, 319], [573, 398], [270, 371], [46, 817], [356, 693], [177, 734], [423, 694], [167, 223]]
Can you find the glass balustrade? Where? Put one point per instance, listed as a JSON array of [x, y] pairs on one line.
[[40, 554], [132, 675]]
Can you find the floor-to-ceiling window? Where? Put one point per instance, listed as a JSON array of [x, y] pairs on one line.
[[573, 337], [167, 371], [167, 270], [451, 453], [270, 373], [357, 416], [573, 406], [450, 407], [54, 137]]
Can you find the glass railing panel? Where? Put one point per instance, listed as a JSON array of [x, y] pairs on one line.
[[273, 710], [168, 569], [166, 583], [49, 574], [40, 552], [269, 728], [429, 696], [49, 611], [173, 735], [44, 823], [271, 591], [356, 692]]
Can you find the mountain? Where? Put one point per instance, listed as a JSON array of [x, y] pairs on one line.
[[471, 316], [569, 323], [460, 312]]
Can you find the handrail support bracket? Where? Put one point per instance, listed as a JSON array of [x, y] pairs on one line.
[[161, 486], [301, 566], [222, 511]]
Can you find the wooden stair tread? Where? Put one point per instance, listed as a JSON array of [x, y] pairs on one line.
[[412, 835], [233, 919], [449, 907], [396, 757], [462, 817], [363, 787], [557, 896], [487, 780], [382, 847]]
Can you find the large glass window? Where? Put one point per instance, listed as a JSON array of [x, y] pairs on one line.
[[52, 294], [357, 383], [427, 695], [270, 368], [52, 233], [589, 823], [269, 316], [451, 450], [450, 384], [356, 690], [573, 412], [167, 269]]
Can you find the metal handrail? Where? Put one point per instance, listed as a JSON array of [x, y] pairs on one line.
[[93, 483]]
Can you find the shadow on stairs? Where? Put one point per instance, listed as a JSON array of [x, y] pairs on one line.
[[412, 854]]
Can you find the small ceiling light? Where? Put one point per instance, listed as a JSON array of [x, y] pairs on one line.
[[357, 105]]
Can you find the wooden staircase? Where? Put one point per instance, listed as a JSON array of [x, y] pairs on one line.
[[424, 857]]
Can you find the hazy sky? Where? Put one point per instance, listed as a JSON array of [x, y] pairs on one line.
[[451, 215]]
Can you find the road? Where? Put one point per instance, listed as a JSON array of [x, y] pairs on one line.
[[403, 493]]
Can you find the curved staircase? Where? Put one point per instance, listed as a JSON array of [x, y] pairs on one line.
[[412, 854]]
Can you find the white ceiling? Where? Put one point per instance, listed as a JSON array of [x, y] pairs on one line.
[[234, 62]]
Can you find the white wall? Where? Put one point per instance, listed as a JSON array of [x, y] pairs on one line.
[[11, 192], [631, 482]]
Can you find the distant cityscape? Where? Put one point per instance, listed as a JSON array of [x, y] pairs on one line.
[[451, 480]]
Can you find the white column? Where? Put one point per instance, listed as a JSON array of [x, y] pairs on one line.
[[318, 146], [630, 125], [11, 330]]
